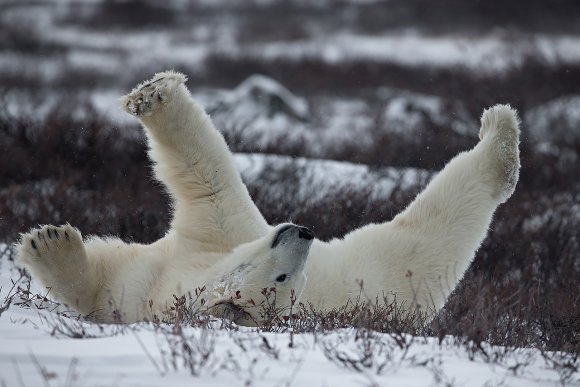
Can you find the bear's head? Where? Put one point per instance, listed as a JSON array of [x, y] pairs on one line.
[[260, 279]]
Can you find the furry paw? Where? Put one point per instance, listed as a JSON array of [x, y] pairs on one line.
[[499, 118], [56, 256], [148, 96], [53, 250], [500, 134]]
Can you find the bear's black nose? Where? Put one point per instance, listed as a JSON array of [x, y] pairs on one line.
[[305, 233]]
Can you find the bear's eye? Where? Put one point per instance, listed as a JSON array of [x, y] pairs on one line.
[[281, 278]]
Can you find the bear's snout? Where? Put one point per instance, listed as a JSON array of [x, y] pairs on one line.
[[290, 231]]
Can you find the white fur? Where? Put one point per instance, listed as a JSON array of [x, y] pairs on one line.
[[421, 255], [218, 238]]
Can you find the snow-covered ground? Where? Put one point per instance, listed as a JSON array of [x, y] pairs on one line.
[[39, 345]]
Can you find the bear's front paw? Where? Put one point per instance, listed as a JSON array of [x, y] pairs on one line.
[[148, 96], [501, 120], [52, 247], [500, 135]]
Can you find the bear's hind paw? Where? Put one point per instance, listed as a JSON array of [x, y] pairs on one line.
[[151, 94], [52, 246]]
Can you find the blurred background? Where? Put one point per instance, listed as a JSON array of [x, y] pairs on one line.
[[339, 112]]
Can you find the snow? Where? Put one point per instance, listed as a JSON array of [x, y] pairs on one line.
[[134, 50], [329, 177], [555, 208], [33, 352], [261, 114], [491, 53], [555, 121], [409, 113], [262, 94], [87, 48], [106, 62]]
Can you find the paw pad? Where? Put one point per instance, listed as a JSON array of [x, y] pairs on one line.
[[49, 240], [149, 95]]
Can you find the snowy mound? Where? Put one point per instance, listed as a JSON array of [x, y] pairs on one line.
[[409, 113], [315, 181], [261, 96]]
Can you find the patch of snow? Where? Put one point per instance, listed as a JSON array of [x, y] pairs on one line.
[[254, 126], [487, 54], [329, 177], [408, 113], [557, 121], [190, 47], [106, 102], [251, 166], [336, 126], [345, 120], [102, 62], [33, 67], [561, 208]]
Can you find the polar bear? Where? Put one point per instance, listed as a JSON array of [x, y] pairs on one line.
[[219, 241]]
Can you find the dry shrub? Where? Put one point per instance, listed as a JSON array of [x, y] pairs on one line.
[[82, 171]]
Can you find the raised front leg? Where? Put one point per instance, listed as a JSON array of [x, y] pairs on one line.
[[212, 207], [56, 256], [439, 233], [420, 256]]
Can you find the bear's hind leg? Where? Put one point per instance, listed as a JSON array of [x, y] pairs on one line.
[[57, 257]]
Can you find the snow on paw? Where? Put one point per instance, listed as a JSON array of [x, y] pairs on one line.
[[148, 96], [501, 119], [500, 130]]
